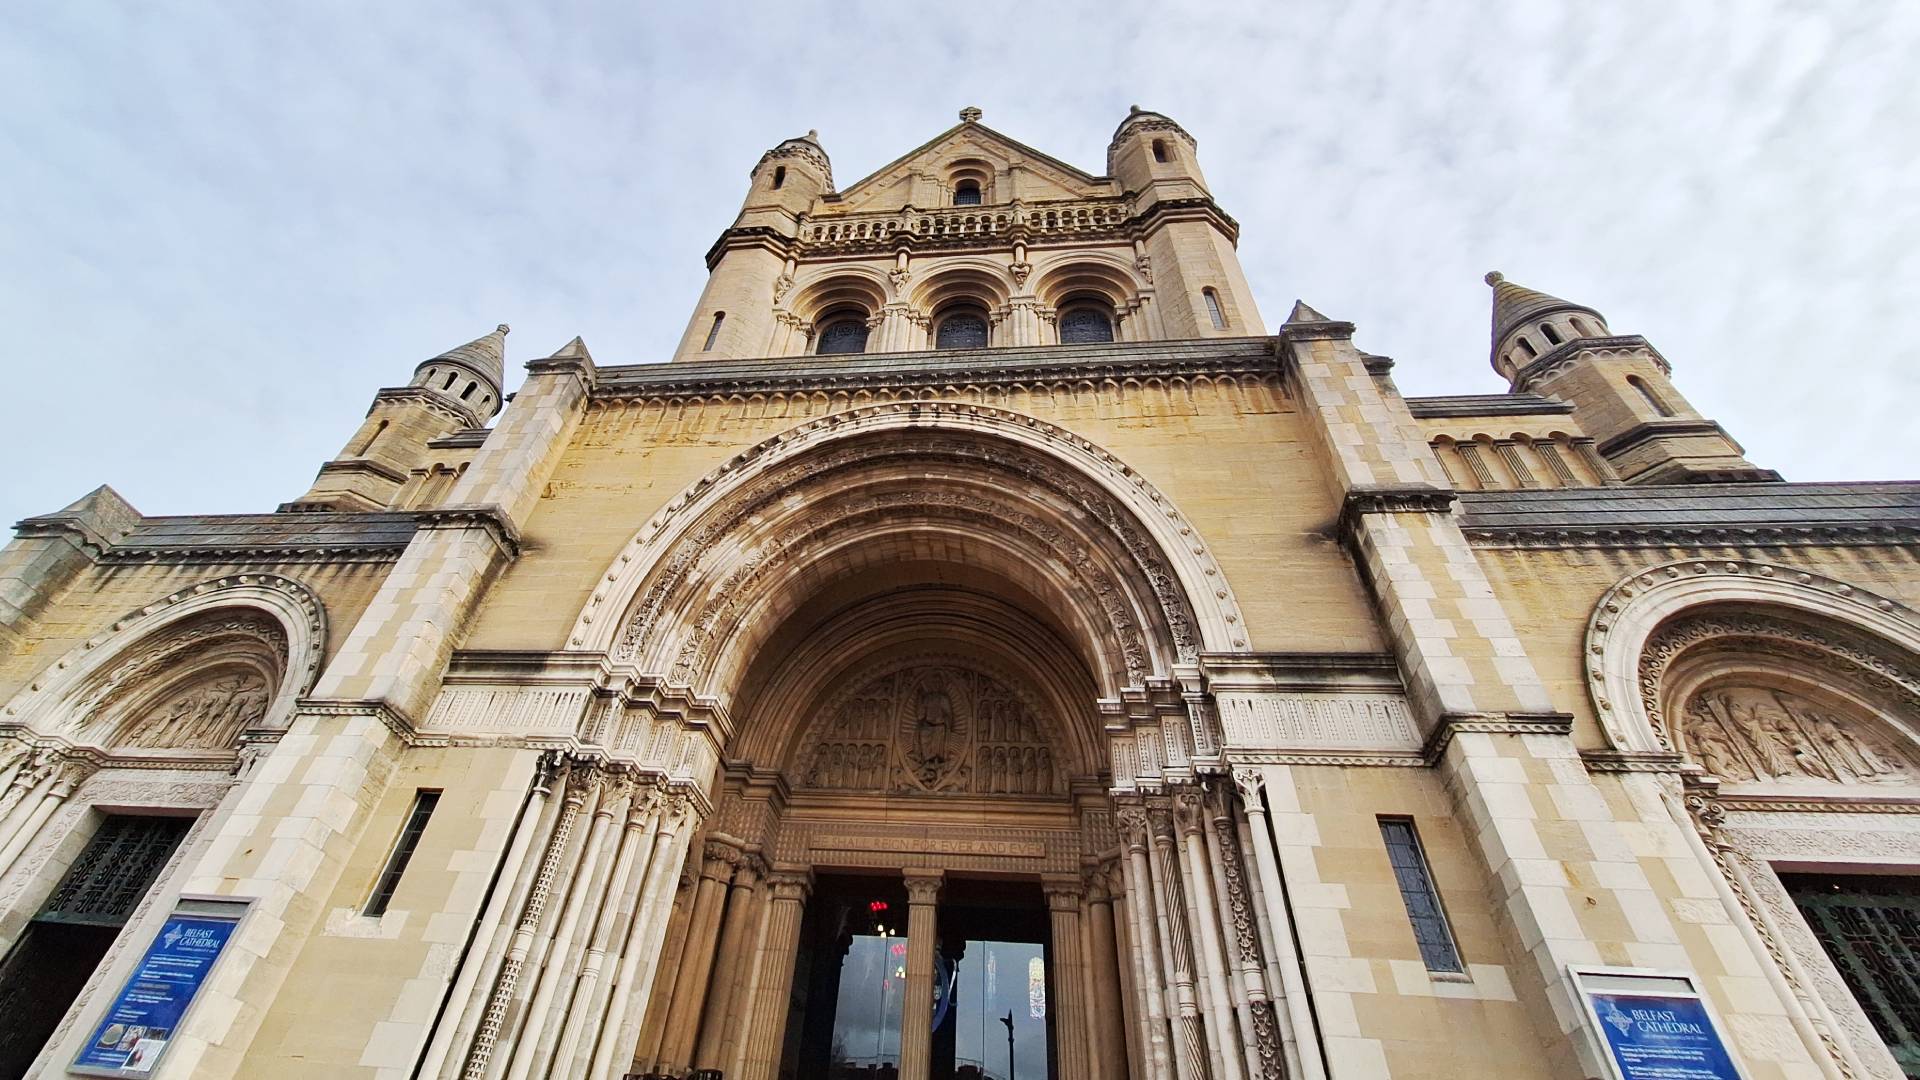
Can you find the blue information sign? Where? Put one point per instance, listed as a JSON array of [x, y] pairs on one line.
[[141, 1022], [1661, 1037]]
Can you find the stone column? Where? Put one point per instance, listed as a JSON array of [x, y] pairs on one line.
[[1149, 999], [1192, 820], [65, 778], [1069, 1004], [767, 1023], [617, 909], [916, 1018], [640, 955], [736, 936], [1176, 946], [690, 991], [1108, 1034], [673, 947], [1292, 985]]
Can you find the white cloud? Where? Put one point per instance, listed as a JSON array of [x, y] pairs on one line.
[[228, 225]]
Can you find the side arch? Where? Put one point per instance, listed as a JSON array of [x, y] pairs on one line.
[[58, 702], [1629, 615]]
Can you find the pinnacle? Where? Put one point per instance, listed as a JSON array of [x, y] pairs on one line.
[[572, 350], [1302, 313]]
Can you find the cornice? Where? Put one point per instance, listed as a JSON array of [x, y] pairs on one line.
[[1695, 536], [431, 400], [1321, 330], [750, 236], [321, 536], [1601, 348], [928, 369], [1696, 516], [485, 516], [1468, 405], [1493, 723], [1413, 499]]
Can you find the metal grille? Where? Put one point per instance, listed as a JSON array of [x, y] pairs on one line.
[[113, 873], [845, 336], [1083, 326], [1430, 930], [1870, 927], [961, 332]]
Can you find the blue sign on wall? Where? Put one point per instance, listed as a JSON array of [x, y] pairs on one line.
[[1661, 1038], [144, 1016]]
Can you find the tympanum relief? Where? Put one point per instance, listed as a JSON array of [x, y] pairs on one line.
[[1745, 734], [936, 728], [207, 714]]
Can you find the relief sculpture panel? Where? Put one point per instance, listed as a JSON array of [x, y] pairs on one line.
[[1746, 734], [932, 728]]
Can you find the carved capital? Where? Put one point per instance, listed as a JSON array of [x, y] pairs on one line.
[[923, 886], [1063, 895], [1190, 811], [1133, 826], [793, 885], [1160, 823]]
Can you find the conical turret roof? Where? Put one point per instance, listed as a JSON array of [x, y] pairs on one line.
[[485, 356], [1515, 305]]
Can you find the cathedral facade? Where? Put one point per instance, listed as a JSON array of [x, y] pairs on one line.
[[986, 648]]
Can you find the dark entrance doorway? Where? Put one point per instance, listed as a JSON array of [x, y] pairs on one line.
[[1870, 927], [992, 968], [61, 946]]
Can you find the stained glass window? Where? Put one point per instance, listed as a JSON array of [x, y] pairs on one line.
[[1085, 325], [962, 331], [843, 336], [1430, 930]]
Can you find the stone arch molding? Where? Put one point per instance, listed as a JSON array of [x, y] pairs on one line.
[[1188, 584], [73, 700], [1629, 615]]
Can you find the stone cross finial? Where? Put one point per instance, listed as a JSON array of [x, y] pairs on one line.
[[970, 114]]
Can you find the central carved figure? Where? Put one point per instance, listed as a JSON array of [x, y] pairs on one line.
[[935, 731]]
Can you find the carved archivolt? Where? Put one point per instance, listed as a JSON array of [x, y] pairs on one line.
[[1653, 618], [194, 670], [1174, 589], [932, 726]]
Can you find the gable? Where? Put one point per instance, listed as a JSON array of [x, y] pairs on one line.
[[1035, 176]]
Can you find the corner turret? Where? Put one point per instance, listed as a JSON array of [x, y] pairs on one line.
[[1618, 385], [458, 390], [1154, 157]]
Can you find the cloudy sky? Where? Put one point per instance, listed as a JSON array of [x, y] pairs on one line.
[[226, 225]]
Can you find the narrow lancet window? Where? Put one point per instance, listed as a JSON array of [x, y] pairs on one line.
[[713, 332], [1653, 399], [423, 803], [779, 176], [1553, 335], [1217, 316], [1160, 150], [1430, 930]]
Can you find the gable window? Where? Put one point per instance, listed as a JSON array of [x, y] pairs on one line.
[[1217, 316], [1085, 325], [965, 329], [713, 332], [1430, 930], [966, 193], [843, 335]]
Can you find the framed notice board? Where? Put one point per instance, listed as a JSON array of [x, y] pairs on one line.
[[1653, 1025], [150, 1006]]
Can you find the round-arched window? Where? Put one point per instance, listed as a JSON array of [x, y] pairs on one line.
[[1085, 325], [966, 193], [842, 335], [961, 330]]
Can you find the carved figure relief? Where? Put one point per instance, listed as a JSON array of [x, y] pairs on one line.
[[1756, 733], [932, 727], [208, 714]]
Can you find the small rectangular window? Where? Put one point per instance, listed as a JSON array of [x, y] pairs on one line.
[[423, 804], [1430, 929]]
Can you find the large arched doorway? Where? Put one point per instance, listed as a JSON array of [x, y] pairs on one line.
[[937, 644]]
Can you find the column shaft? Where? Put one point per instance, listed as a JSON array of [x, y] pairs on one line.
[[736, 934], [1108, 1031], [1228, 1040], [1292, 983], [673, 948], [767, 1029], [620, 1031], [1069, 1004], [1190, 1052], [916, 1017], [690, 992], [615, 914], [1149, 996]]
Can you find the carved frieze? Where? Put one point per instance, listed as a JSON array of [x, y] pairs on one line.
[[1268, 721], [1762, 733], [933, 727]]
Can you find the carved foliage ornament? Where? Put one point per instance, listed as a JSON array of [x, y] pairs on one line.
[[932, 727]]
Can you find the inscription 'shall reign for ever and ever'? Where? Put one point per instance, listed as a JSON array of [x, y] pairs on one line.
[[982, 649]]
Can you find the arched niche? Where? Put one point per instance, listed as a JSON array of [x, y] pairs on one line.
[[1642, 625], [188, 673]]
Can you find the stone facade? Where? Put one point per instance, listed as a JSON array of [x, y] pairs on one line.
[[981, 548]]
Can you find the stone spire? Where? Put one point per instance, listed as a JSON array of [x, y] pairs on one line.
[[1516, 307], [485, 356]]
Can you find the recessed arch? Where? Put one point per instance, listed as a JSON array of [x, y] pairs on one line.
[[1084, 276], [97, 690], [1630, 614]]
